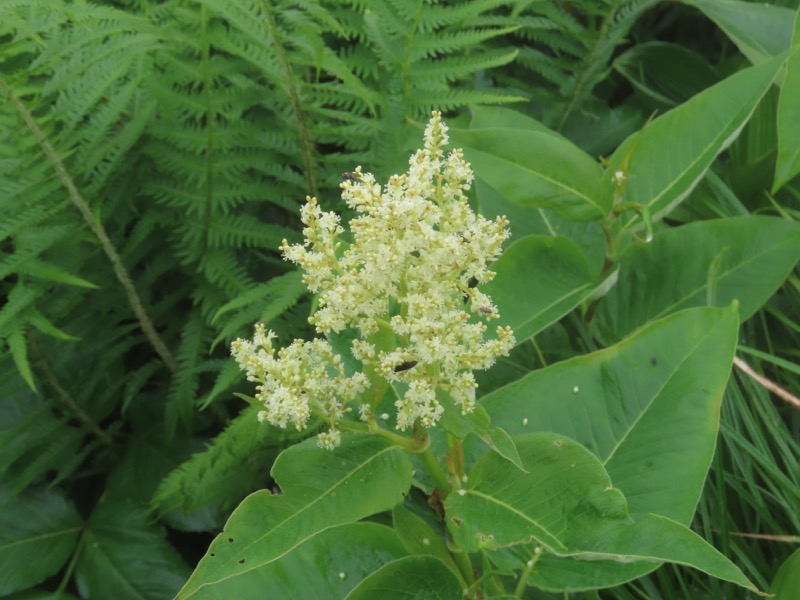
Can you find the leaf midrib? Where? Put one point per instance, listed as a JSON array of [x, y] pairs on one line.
[[304, 509]]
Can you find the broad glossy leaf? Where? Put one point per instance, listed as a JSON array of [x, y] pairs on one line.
[[125, 556], [321, 489], [566, 502], [539, 280], [328, 565], [423, 577], [701, 264], [532, 166], [788, 162], [38, 533], [528, 221], [647, 407], [759, 30], [666, 159]]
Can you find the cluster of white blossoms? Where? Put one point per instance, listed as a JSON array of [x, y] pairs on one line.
[[416, 257]]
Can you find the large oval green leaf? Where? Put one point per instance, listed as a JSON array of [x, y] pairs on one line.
[[410, 578], [623, 403], [328, 565], [648, 408], [664, 161], [539, 280], [321, 489], [38, 532], [532, 166], [566, 503], [704, 263]]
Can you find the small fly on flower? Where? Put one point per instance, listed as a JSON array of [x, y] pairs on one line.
[[349, 176]]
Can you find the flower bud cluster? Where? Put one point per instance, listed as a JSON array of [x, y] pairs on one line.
[[416, 256]]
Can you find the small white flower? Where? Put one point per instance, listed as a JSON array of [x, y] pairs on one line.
[[329, 439]]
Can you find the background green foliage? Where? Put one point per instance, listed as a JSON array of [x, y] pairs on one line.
[[153, 155]]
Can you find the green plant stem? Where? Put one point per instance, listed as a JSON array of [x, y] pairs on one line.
[[608, 264], [306, 141], [97, 228], [412, 445], [73, 560], [455, 460], [523, 577], [434, 469], [464, 566], [406, 65]]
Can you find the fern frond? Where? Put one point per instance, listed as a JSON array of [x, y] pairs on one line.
[[15, 338], [264, 302], [183, 390], [565, 50], [234, 464], [244, 231], [451, 69], [434, 45]]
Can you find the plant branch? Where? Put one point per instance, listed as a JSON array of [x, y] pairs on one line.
[[97, 228], [769, 385]]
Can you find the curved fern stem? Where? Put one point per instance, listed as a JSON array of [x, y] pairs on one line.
[[68, 400], [306, 144], [210, 124], [407, 54], [581, 81], [96, 227]]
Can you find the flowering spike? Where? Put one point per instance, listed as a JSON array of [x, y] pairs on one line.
[[417, 257]]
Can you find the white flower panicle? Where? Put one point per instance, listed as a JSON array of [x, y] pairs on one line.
[[300, 372], [417, 255]]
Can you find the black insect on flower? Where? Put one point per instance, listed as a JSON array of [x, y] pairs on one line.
[[347, 175], [405, 366]]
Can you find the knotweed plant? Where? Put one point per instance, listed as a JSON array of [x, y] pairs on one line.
[[404, 275], [559, 480]]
